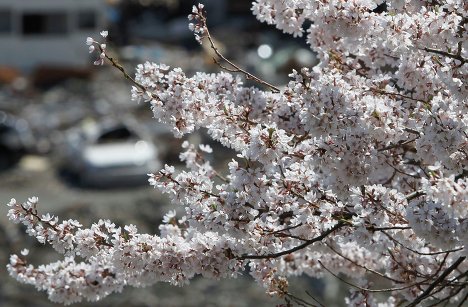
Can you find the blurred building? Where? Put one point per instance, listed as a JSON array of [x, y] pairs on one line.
[[48, 32]]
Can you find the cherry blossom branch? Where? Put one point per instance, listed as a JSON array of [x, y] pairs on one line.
[[236, 67], [117, 65], [421, 253], [413, 272], [462, 275], [402, 172], [201, 160], [367, 289], [462, 302], [164, 173], [202, 29], [373, 228], [451, 282], [456, 56], [281, 233], [414, 195], [449, 297], [114, 62], [382, 290], [392, 94], [418, 164], [322, 167], [289, 189], [299, 247], [431, 287], [299, 301], [398, 144], [391, 213], [315, 300], [364, 267], [410, 130], [285, 229]]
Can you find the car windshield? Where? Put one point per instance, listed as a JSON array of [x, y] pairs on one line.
[[116, 135]]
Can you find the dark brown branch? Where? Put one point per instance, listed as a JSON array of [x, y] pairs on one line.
[[431, 287], [410, 130], [463, 300], [299, 247], [372, 228], [397, 145], [449, 297], [414, 195], [462, 275], [451, 282], [374, 90], [447, 54]]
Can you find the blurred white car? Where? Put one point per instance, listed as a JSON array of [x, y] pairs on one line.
[[110, 154]]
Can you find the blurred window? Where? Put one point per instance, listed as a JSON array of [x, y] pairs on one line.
[[87, 20], [5, 21], [44, 24]]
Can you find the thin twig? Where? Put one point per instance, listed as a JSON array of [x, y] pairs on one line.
[[402, 172], [216, 173], [316, 300], [236, 67], [364, 267], [117, 65], [285, 229], [299, 300], [420, 253], [367, 289], [127, 76]]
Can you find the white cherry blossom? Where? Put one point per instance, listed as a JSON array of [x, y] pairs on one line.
[[358, 166]]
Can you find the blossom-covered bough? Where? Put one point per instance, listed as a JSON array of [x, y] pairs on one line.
[[357, 168]]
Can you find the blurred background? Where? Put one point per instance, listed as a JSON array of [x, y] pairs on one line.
[[70, 134]]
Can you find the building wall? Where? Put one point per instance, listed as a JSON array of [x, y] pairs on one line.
[[48, 32]]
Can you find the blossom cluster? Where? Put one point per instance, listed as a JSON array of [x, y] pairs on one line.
[[198, 26], [358, 166], [101, 48]]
